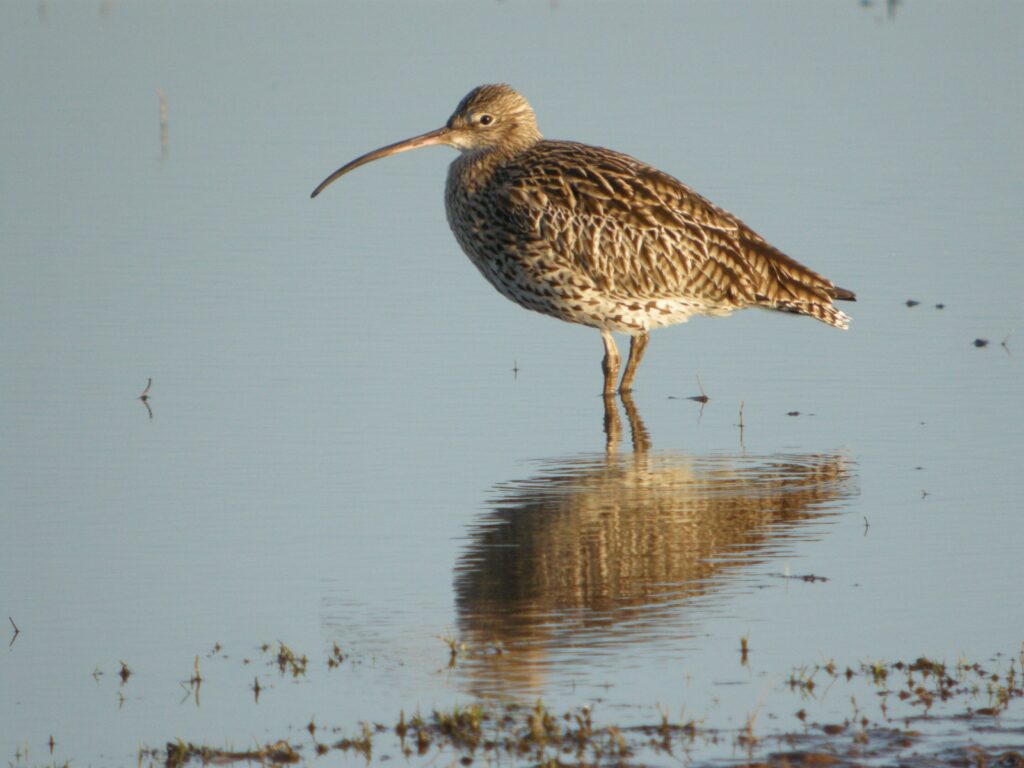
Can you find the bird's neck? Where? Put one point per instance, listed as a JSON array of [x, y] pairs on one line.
[[475, 169]]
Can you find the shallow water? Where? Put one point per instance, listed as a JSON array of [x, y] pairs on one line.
[[353, 440]]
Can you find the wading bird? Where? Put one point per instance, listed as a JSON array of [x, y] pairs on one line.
[[595, 237]]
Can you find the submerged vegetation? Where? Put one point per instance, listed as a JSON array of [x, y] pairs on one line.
[[908, 699], [181, 753], [924, 712]]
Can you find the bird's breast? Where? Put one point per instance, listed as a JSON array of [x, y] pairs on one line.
[[474, 211]]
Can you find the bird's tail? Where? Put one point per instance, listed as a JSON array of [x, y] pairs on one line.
[[842, 294], [786, 285], [826, 312]]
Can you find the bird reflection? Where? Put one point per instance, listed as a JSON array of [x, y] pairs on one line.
[[613, 425], [605, 548]]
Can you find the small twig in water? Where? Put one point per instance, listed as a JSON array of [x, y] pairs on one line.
[[702, 397], [162, 98], [144, 397]]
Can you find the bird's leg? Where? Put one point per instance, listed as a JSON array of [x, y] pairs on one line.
[[610, 364], [637, 345]]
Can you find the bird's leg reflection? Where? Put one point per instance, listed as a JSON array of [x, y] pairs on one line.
[[638, 433], [641, 437], [612, 424]]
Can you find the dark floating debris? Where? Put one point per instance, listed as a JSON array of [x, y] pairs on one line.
[[793, 413], [808, 577], [981, 342], [912, 302], [144, 397], [702, 397], [940, 305], [336, 659]]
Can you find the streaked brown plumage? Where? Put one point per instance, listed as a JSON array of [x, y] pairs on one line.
[[592, 236]]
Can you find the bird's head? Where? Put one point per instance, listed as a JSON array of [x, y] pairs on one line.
[[489, 118], [492, 117]]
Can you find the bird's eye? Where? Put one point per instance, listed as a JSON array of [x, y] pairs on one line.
[[486, 119]]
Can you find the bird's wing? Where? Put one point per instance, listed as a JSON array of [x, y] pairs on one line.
[[638, 232]]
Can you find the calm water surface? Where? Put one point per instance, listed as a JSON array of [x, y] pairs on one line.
[[355, 441]]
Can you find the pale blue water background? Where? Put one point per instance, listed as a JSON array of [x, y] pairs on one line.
[[337, 424]]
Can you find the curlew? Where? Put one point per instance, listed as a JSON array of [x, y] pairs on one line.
[[596, 237]]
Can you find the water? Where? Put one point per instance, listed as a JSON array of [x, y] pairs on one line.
[[354, 440]]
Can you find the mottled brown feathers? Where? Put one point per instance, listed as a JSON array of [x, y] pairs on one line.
[[639, 234]]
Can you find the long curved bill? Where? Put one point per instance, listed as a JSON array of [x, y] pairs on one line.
[[440, 136]]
